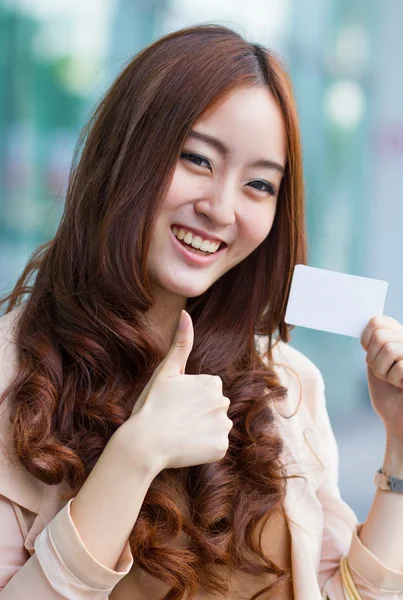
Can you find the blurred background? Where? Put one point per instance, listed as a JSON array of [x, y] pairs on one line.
[[57, 57]]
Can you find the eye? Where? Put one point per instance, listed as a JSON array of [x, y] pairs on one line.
[[194, 158], [197, 160], [269, 187]]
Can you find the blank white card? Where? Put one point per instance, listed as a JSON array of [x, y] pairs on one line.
[[334, 302]]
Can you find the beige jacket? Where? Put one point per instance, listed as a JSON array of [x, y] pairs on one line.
[[42, 556]]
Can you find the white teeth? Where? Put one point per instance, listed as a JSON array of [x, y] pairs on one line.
[[195, 241], [205, 245]]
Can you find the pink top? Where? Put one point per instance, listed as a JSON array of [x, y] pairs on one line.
[[43, 557]]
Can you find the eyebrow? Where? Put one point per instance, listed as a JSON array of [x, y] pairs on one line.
[[225, 151]]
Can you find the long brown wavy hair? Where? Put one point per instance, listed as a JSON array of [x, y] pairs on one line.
[[84, 352]]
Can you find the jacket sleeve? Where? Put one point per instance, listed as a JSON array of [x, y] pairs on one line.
[[61, 566], [373, 579]]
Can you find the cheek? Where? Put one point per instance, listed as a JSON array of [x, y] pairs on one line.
[[257, 226], [177, 191]]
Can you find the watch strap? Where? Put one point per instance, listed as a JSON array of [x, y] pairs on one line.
[[388, 482]]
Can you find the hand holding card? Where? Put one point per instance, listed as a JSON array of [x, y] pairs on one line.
[[334, 302]]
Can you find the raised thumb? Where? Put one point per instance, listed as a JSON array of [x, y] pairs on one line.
[[175, 361]]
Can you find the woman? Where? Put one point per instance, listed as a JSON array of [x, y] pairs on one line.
[[122, 476]]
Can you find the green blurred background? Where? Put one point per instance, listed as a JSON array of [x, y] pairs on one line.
[[57, 57]]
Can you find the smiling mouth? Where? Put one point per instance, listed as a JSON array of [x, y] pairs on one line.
[[197, 256], [197, 250]]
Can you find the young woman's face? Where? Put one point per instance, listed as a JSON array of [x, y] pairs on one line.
[[218, 193]]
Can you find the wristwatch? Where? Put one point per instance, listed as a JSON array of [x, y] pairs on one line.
[[387, 482]]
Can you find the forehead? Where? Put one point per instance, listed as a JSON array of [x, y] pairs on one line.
[[250, 122]]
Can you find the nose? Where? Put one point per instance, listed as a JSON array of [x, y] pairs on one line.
[[218, 205]]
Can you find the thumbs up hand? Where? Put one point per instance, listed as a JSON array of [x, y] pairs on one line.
[[183, 417]]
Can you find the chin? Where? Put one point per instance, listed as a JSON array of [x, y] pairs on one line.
[[188, 291], [184, 289]]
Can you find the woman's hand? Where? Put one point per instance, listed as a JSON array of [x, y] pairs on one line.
[[383, 340], [181, 419]]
